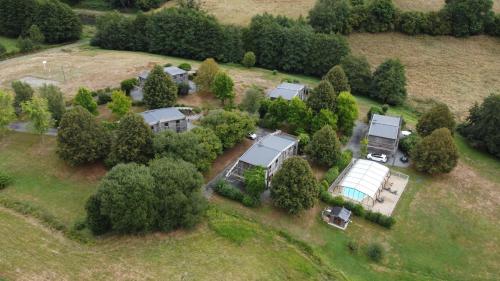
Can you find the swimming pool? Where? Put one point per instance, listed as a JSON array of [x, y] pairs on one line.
[[354, 194]]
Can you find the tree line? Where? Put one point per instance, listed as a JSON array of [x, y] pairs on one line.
[[459, 18], [55, 20]]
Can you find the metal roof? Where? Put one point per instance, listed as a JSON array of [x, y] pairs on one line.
[[174, 70], [286, 90], [384, 126], [266, 150], [162, 115], [365, 176], [341, 213]]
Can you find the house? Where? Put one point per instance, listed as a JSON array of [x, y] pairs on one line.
[[337, 216], [361, 182], [177, 74], [383, 135], [288, 91], [165, 119], [269, 152]]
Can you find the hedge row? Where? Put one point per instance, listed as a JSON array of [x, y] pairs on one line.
[[277, 42], [225, 189]]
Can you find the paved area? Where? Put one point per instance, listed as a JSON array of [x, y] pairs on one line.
[[359, 131], [36, 82], [23, 127], [391, 193]]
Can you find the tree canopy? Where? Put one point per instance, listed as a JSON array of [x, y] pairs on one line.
[[322, 97], [337, 77], [120, 104], [294, 187], [230, 126], [223, 87], [324, 147], [439, 116], [7, 113], [435, 153], [331, 16], [389, 82], [37, 110], [206, 74], [469, 17], [55, 100], [347, 113], [159, 90], [358, 72], [23, 93], [84, 99], [252, 99]]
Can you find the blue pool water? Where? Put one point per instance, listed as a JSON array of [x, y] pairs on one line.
[[354, 194]]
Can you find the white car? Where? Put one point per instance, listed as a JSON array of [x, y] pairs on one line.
[[405, 133], [252, 136], [377, 157]]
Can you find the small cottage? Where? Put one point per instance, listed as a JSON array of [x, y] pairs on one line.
[[288, 91], [165, 119], [337, 216]]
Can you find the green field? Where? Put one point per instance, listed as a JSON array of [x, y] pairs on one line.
[[9, 44]]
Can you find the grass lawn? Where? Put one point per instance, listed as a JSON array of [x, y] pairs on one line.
[[10, 44]]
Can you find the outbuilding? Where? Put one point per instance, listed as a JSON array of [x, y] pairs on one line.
[[383, 135], [337, 216], [288, 91], [162, 119]]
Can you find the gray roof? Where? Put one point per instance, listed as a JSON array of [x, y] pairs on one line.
[[266, 150], [174, 70], [384, 126], [162, 115], [286, 90], [341, 213], [144, 74]]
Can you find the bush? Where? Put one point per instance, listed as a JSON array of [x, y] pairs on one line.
[[437, 153], [406, 144], [389, 82], [437, 23], [331, 175], [25, 45], [128, 84], [183, 89], [375, 252], [249, 201], [381, 16], [225, 189], [103, 97], [331, 16], [468, 17], [5, 180], [3, 50], [412, 23], [345, 159], [356, 209], [353, 246], [185, 66], [248, 59], [439, 116]]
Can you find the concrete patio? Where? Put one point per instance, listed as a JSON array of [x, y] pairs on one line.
[[391, 193]]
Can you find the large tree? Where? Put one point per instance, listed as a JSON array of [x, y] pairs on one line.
[[177, 186], [230, 126], [337, 77], [381, 16], [322, 97], [331, 16], [324, 147], [16, 16], [127, 198], [482, 127], [84, 99], [205, 75], [294, 187], [159, 90], [120, 104], [37, 110], [55, 98], [469, 17], [7, 113], [347, 113], [299, 115], [252, 99], [80, 138], [389, 82], [23, 93], [133, 141], [57, 21], [439, 116], [358, 72], [223, 87], [323, 118], [436, 153]]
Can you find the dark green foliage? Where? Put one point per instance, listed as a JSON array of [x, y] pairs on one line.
[[23, 93], [183, 89], [159, 90], [375, 252], [389, 82], [374, 110], [357, 70], [185, 66], [249, 59], [347, 113], [252, 100], [322, 97], [133, 141], [128, 84], [177, 186], [25, 45], [98, 223], [84, 99], [381, 16], [436, 153], [250, 201], [337, 77], [469, 17], [345, 159], [225, 189], [437, 23], [16, 16], [325, 51], [299, 116], [230, 126], [55, 99], [57, 21], [331, 175], [437, 117], [255, 182], [331, 16], [3, 50], [103, 97], [323, 118], [493, 27], [412, 23], [144, 5], [481, 127], [294, 187], [80, 138], [5, 180], [127, 198], [380, 219], [114, 31], [35, 35], [324, 147], [407, 144]]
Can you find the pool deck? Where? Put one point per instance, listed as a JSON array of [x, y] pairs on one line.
[[393, 190]]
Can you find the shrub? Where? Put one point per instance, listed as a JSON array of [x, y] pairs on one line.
[[103, 97], [128, 84], [436, 153], [248, 59], [185, 66], [183, 89], [381, 16], [223, 188], [331, 16], [25, 45], [468, 17], [120, 104], [356, 209], [255, 182], [249, 201], [3, 50], [375, 252], [437, 117], [437, 23], [374, 110], [331, 175], [345, 159], [412, 23], [5, 180], [84, 99], [324, 148], [359, 74], [389, 82], [353, 246], [407, 144]]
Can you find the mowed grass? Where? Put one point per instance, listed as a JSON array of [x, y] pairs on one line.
[[10, 44], [30, 252]]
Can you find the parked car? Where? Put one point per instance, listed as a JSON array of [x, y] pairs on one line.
[[252, 136], [377, 157], [404, 158], [406, 133]]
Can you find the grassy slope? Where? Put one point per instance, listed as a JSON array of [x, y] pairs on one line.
[[9, 44]]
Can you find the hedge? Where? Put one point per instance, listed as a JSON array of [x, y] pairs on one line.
[[225, 189]]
